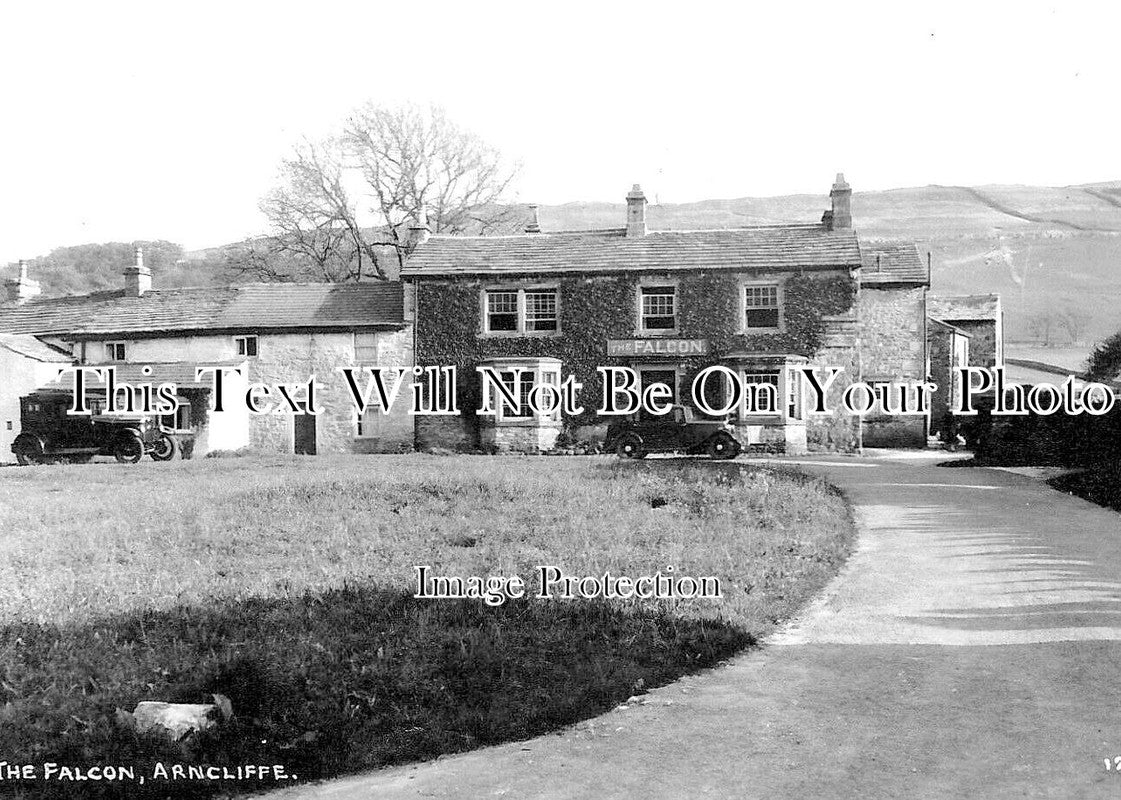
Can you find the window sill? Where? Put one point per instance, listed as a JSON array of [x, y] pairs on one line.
[[654, 334], [522, 422], [519, 334]]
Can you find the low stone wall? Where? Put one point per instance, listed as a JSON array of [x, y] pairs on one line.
[[518, 438]]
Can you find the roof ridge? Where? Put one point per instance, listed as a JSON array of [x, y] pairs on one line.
[[592, 231]]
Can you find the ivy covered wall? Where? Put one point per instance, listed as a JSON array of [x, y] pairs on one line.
[[594, 309]]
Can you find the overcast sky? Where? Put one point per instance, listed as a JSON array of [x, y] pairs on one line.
[[126, 121]]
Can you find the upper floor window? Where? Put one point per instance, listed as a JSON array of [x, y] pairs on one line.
[[246, 346], [533, 310], [761, 306], [366, 348], [114, 351], [659, 308], [541, 309]]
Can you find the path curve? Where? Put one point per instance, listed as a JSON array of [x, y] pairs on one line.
[[971, 647]]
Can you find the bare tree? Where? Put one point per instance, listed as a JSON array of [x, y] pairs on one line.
[[415, 159], [1073, 322], [1042, 326], [343, 205]]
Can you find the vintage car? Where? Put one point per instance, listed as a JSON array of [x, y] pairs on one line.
[[48, 434], [680, 430]]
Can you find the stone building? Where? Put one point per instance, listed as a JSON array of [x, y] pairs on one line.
[[892, 310], [275, 333], [947, 352], [761, 301], [981, 316]]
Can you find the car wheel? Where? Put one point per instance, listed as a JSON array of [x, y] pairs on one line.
[[630, 446], [128, 449], [28, 450], [165, 448], [723, 446]]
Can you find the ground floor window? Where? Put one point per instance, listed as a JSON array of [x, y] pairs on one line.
[[761, 401], [180, 419], [520, 377], [777, 384]]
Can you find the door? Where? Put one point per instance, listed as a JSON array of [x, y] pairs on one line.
[[304, 434], [660, 431]]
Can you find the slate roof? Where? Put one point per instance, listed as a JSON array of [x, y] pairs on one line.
[[964, 307], [891, 263], [181, 373], [248, 307], [773, 247], [950, 327], [29, 346]]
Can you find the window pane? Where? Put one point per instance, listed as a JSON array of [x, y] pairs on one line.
[[521, 392], [502, 302], [761, 401], [761, 304], [502, 311], [658, 307], [762, 318], [502, 322], [541, 310], [366, 348]]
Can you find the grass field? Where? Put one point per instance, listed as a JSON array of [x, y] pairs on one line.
[[286, 584]]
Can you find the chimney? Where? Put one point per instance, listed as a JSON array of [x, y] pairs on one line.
[[841, 215], [22, 288], [534, 225], [419, 230], [138, 278], [636, 212]]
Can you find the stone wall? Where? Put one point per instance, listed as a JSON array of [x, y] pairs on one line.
[[837, 431], [893, 348], [982, 340], [297, 357], [892, 332], [448, 432], [519, 438]]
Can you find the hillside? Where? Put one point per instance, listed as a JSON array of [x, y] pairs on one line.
[[1043, 249]]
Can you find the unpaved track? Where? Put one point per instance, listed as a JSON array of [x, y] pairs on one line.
[[970, 648]]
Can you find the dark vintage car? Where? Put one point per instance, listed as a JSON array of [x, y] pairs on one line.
[[681, 430], [48, 434]]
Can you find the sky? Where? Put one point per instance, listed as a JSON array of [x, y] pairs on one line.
[[124, 121]]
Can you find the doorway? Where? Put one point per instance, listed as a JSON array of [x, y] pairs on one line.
[[304, 434]]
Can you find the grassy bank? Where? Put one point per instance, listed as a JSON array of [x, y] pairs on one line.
[[286, 585]]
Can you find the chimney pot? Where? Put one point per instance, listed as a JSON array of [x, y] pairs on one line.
[[138, 278], [636, 212], [419, 232], [841, 196], [534, 225], [22, 288]]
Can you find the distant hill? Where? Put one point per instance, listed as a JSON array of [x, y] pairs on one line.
[[1040, 248]]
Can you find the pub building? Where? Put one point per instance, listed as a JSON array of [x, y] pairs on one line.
[[762, 301]]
